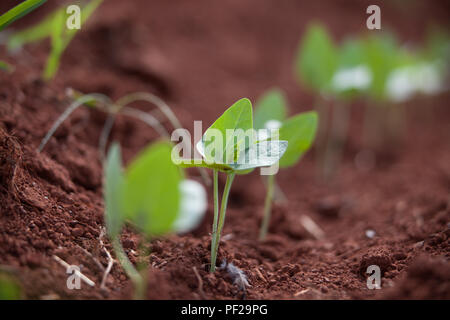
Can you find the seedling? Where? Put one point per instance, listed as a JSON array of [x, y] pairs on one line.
[[113, 108], [121, 106], [18, 12], [315, 65], [383, 118], [316, 60], [351, 79], [149, 195], [299, 131], [334, 72], [230, 145], [53, 27]]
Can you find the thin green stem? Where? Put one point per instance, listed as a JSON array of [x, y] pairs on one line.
[[130, 270], [337, 140], [323, 109], [267, 207], [216, 218], [223, 210]]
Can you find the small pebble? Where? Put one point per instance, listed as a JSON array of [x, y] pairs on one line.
[[370, 234]]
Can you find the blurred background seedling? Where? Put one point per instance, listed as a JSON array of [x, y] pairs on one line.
[[299, 131], [373, 67], [122, 106], [315, 65], [53, 26], [18, 12], [153, 197]]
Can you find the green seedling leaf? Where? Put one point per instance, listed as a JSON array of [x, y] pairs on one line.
[[438, 45], [61, 36], [299, 131], [271, 106], [237, 118], [351, 54], [353, 75], [317, 59], [262, 154], [18, 12], [113, 192], [152, 194], [9, 287], [33, 34], [58, 45], [381, 52], [54, 27]]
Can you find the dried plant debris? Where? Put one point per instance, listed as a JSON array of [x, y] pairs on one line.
[[237, 275]]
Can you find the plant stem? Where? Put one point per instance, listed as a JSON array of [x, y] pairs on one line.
[[130, 270], [323, 110], [267, 207], [223, 210], [337, 140], [216, 218]]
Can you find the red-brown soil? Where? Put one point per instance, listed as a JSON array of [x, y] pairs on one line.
[[200, 57]]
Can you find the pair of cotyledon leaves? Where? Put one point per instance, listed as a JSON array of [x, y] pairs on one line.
[[345, 71], [230, 144]]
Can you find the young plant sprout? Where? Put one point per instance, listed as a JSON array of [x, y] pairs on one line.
[[334, 72], [315, 65], [19, 11], [121, 106], [53, 27], [299, 131], [230, 145], [351, 79], [152, 195], [390, 85]]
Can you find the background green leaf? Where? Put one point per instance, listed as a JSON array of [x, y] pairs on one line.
[[271, 106], [152, 194], [53, 26], [18, 12], [61, 36], [113, 192], [36, 33], [381, 52], [299, 131], [316, 59], [351, 53]]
